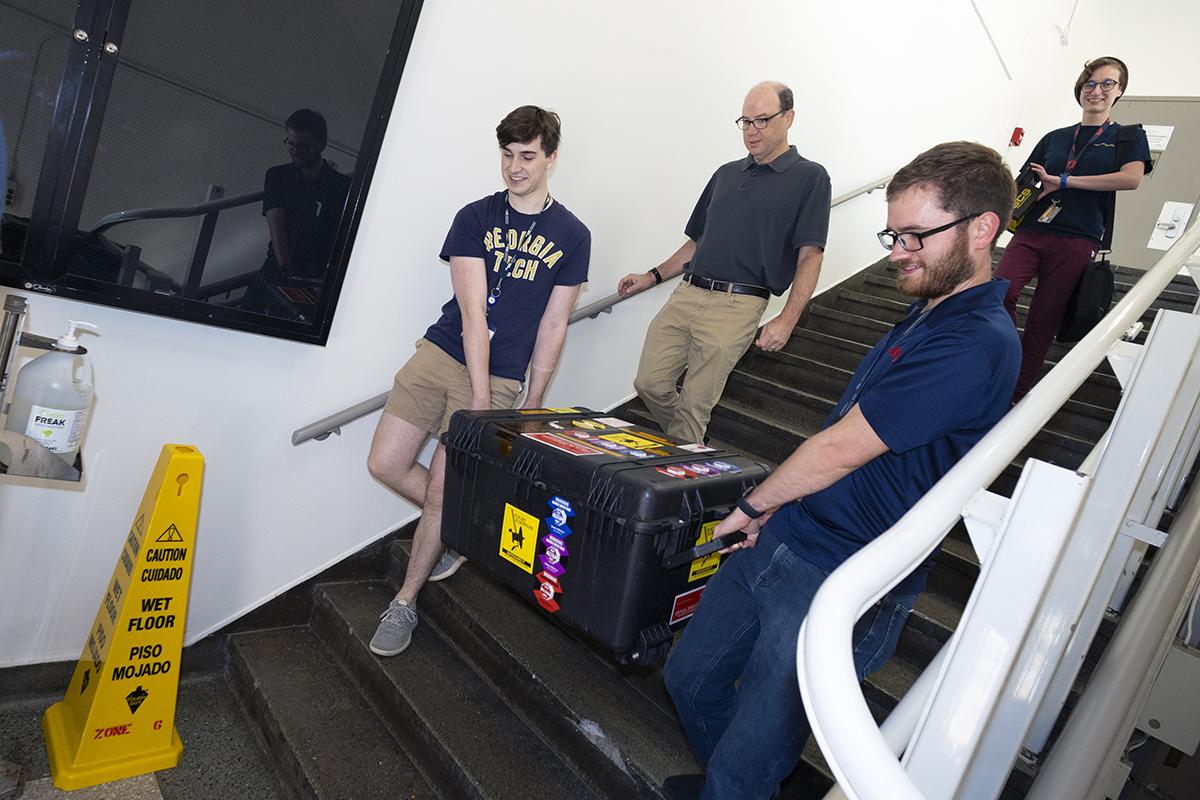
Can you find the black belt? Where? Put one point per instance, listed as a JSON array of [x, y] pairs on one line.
[[701, 282]]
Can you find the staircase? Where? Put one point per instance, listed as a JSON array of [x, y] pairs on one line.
[[493, 700]]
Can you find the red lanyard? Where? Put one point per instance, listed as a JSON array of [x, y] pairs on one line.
[[1073, 159]]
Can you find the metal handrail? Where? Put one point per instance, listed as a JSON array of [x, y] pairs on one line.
[[322, 428], [850, 739], [198, 210], [1093, 734]]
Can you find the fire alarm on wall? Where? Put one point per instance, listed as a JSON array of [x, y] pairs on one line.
[[1017, 135]]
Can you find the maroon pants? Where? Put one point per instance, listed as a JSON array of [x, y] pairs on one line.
[[1056, 262]]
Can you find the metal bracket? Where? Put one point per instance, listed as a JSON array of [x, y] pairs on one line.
[[323, 436], [983, 516], [1143, 533], [1123, 356]]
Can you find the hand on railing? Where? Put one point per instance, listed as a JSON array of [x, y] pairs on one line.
[[635, 283]]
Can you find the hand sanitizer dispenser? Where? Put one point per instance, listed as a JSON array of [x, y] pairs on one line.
[[53, 395]]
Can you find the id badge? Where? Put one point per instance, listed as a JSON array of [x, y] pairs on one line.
[[1050, 213]]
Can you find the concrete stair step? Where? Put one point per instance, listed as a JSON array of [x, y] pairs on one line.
[[616, 722], [802, 412], [470, 743], [324, 739], [1170, 298], [1100, 389], [1077, 419]]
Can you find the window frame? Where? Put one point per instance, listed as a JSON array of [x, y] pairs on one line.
[[66, 166]]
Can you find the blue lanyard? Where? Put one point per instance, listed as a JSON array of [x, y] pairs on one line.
[[843, 408], [494, 294]]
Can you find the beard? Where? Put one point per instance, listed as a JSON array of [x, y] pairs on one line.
[[943, 276]]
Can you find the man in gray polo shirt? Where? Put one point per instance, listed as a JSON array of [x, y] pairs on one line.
[[759, 227]]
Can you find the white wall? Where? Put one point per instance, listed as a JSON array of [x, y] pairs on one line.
[[648, 93]]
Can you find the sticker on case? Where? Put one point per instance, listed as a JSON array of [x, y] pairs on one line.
[[518, 537], [704, 566], [564, 444], [685, 605], [613, 422]]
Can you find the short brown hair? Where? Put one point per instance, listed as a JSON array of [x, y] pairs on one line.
[[527, 123], [1091, 66], [969, 178]]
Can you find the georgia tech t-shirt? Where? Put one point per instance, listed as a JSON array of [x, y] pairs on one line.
[[545, 250]]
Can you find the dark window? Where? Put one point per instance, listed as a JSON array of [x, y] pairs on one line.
[[200, 160]]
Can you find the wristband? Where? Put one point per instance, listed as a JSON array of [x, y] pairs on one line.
[[1063, 181], [657, 275], [750, 511]]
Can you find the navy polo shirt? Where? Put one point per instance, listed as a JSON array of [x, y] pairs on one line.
[[1082, 213], [930, 392], [752, 219]]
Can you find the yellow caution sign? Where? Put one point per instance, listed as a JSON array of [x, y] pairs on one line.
[[705, 565], [518, 537], [118, 717]]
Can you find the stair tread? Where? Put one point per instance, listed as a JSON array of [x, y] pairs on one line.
[[624, 712], [431, 698], [336, 742]]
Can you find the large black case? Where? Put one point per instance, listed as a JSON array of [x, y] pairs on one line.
[[580, 511]]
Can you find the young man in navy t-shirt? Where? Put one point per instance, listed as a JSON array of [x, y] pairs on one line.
[[918, 402], [517, 259]]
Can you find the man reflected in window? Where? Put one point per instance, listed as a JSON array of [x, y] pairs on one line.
[[302, 201]]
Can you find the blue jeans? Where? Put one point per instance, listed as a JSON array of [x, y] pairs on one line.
[[733, 674]]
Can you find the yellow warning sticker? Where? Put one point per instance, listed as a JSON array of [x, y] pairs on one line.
[[706, 565], [518, 537], [629, 440]]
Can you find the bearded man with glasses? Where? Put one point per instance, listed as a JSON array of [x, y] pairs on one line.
[[924, 395], [758, 229]]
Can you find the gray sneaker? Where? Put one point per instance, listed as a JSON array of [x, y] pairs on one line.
[[395, 629], [447, 565]]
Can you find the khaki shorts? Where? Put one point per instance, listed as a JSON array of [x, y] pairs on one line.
[[431, 386]]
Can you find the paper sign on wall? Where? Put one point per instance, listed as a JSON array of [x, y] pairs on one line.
[[1158, 136]]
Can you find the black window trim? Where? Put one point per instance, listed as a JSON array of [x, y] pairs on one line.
[[71, 147]]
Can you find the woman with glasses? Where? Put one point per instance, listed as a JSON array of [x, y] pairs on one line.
[[1080, 167]]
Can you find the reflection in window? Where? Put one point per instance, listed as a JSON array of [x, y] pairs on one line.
[[197, 114]]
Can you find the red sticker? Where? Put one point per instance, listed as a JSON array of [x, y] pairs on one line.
[[685, 605], [564, 444]]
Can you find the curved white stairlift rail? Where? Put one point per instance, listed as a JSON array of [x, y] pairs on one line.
[[865, 767]]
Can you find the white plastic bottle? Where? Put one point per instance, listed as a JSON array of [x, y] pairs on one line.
[[53, 394]]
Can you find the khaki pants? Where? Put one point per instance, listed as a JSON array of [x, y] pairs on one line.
[[706, 333], [431, 386]]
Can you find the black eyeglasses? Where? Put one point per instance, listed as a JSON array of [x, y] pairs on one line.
[[292, 145], [912, 241], [1106, 85], [758, 122]]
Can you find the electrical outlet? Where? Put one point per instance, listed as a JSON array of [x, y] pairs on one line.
[[10, 194]]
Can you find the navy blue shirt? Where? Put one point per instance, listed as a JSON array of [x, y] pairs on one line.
[[752, 219], [546, 250], [930, 392], [312, 211], [1082, 213]]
